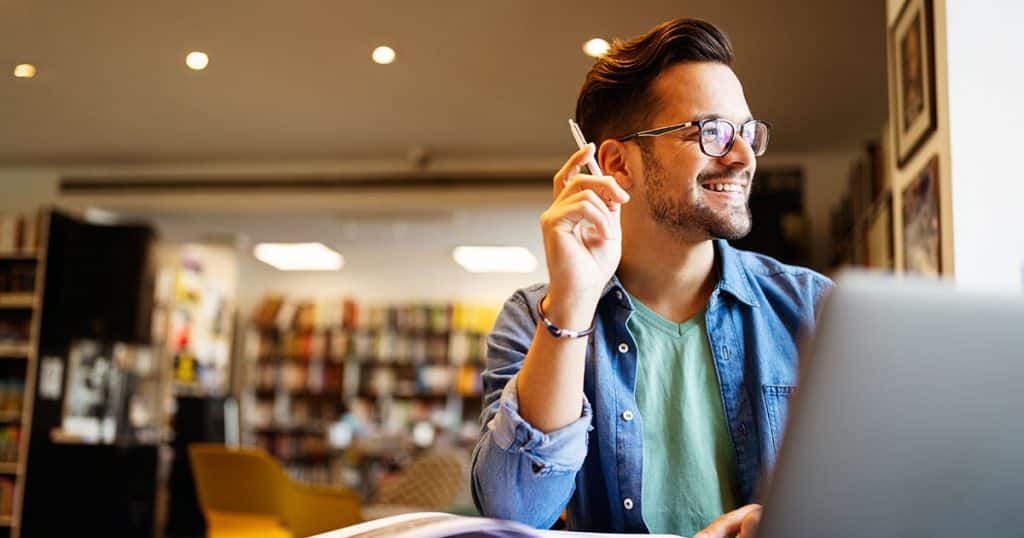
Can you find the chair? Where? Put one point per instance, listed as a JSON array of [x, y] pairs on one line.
[[243, 493], [435, 482]]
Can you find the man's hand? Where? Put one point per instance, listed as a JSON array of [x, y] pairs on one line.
[[742, 522], [581, 259]]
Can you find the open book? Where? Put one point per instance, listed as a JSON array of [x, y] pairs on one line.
[[438, 525]]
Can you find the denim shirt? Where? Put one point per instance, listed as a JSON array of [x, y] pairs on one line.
[[593, 466]]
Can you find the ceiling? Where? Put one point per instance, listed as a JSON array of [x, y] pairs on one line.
[[473, 79]]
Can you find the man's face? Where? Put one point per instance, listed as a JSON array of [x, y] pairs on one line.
[[679, 181]]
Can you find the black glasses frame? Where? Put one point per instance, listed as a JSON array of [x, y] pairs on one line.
[[701, 123]]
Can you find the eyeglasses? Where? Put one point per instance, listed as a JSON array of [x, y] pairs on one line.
[[717, 135]]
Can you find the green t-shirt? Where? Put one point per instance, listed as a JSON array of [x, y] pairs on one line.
[[689, 467]]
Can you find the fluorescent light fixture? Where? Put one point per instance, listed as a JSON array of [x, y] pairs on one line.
[[24, 70], [197, 60], [495, 259], [383, 55], [596, 47], [299, 256]]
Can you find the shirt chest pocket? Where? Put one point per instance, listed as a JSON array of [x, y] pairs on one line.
[[776, 406]]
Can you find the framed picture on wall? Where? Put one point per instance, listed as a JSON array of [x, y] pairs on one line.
[[881, 251], [922, 227], [912, 65]]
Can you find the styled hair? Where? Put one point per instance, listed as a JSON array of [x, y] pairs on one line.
[[616, 98]]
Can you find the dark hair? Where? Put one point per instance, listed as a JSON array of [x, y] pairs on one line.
[[615, 98]]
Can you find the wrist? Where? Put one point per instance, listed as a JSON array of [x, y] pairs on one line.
[[574, 312]]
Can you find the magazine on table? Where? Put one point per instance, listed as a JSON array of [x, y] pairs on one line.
[[439, 525]]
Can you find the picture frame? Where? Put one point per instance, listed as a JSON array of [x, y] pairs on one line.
[[922, 222], [880, 234], [912, 72]]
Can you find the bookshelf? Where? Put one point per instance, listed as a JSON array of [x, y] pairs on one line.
[[22, 270], [333, 382]]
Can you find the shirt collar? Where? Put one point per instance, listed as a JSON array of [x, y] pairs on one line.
[[733, 278], [733, 275]]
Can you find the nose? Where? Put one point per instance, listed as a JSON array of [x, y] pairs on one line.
[[740, 155]]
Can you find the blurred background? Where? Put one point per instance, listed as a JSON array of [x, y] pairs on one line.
[[247, 223]]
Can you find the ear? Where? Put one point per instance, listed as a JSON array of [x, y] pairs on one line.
[[611, 156]]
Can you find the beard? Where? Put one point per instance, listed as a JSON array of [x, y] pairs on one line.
[[671, 208]]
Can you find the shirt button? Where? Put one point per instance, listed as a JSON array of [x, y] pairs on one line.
[[627, 415], [623, 347], [628, 503], [618, 295]]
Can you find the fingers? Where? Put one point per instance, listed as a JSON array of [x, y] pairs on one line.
[[585, 205], [569, 179], [605, 186], [732, 523], [572, 166], [749, 525]]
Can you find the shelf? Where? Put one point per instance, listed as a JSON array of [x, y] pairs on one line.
[[9, 467], [6, 521], [308, 429], [7, 417], [273, 392], [396, 364], [326, 361], [17, 300], [309, 458], [373, 331], [430, 396], [18, 256], [17, 351]]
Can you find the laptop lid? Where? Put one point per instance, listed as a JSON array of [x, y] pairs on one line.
[[909, 419]]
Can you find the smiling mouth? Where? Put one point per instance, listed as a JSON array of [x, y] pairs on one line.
[[724, 187]]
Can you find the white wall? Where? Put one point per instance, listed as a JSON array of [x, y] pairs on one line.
[[985, 59], [401, 259], [26, 188]]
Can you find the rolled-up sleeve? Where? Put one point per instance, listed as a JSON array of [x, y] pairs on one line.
[[519, 472]]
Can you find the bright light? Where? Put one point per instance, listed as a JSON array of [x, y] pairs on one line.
[[596, 47], [299, 256], [383, 55], [24, 70], [495, 259], [197, 60]]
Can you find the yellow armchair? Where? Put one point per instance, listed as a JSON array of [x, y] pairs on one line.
[[244, 492]]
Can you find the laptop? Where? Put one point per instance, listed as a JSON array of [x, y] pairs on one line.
[[909, 420]]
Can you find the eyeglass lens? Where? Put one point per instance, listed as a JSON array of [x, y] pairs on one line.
[[717, 135]]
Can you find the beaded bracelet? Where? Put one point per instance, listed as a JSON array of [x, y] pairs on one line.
[[555, 330]]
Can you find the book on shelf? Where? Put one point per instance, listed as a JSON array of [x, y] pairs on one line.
[[19, 233], [277, 312], [6, 496], [440, 525], [17, 281]]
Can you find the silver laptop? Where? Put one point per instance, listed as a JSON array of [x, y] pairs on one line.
[[909, 420]]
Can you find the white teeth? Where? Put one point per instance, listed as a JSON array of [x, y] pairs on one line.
[[725, 187]]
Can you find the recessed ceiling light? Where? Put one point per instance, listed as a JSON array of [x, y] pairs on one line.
[[197, 60], [596, 47], [495, 259], [383, 55], [299, 256], [24, 70]]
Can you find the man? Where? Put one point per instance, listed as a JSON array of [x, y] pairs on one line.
[[645, 386]]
